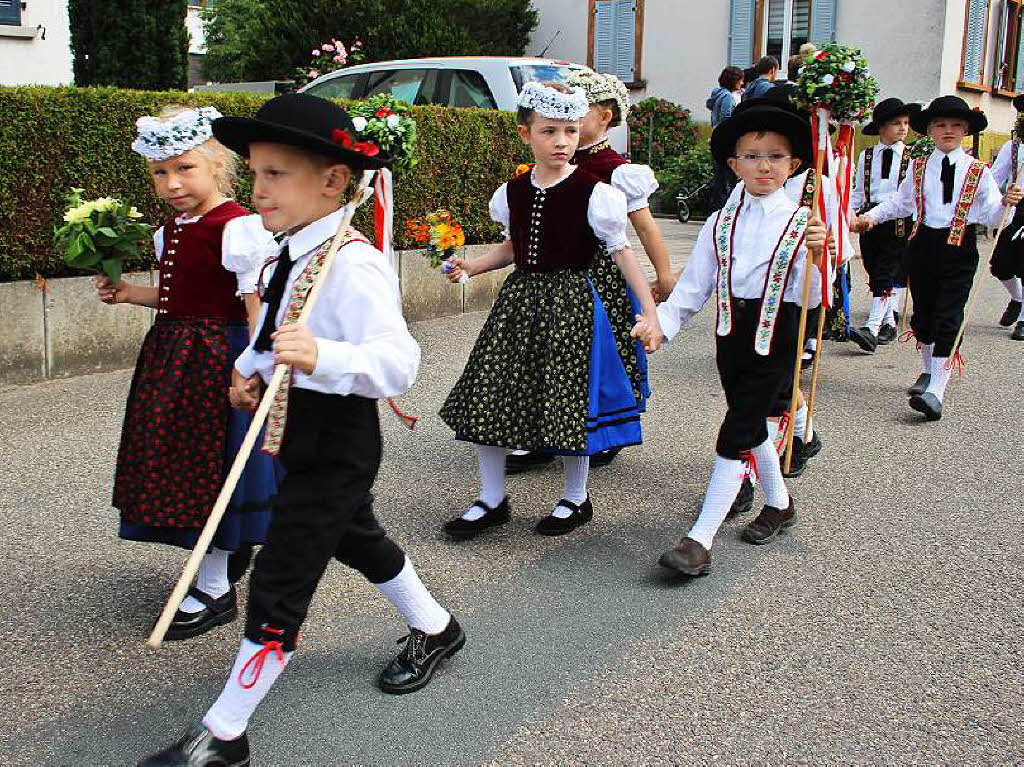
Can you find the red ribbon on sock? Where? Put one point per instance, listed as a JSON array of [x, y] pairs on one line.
[[408, 420], [257, 661], [907, 336], [748, 456], [957, 363]]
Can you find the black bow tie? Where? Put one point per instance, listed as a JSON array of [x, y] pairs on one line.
[[947, 180], [272, 298], [887, 154]]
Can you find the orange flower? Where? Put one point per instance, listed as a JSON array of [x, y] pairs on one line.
[[460, 237], [523, 168]]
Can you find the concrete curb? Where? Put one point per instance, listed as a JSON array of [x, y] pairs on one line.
[[58, 328]]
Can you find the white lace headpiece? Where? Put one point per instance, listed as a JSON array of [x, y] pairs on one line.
[[160, 140], [601, 87], [555, 105]]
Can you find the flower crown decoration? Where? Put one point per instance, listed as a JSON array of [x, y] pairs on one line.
[[160, 140], [555, 105], [837, 78], [386, 122], [923, 147], [601, 87]]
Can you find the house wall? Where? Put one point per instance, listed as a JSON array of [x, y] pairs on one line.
[[33, 60]]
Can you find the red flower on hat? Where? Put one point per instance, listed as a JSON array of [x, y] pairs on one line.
[[368, 148], [383, 112], [339, 136]]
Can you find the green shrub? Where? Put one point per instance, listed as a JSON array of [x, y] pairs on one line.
[[660, 131], [53, 139]]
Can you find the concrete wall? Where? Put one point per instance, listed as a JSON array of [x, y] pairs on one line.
[[32, 60], [59, 328]]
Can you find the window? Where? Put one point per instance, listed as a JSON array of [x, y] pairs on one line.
[[540, 73], [615, 37], [972, 66], [466, 88], [788, 27], [341, 87], [10, 12], [1008, 73], [413, 86], [777, 27]]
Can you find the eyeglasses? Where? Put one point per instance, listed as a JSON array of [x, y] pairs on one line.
[[775, 158]]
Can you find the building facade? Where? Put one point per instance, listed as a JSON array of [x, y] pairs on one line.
[[675, 49], [35, 43]]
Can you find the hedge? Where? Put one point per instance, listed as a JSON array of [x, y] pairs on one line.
[[52, 139]]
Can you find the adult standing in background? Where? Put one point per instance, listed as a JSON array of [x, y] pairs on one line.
[[721, 102], [767, 70]]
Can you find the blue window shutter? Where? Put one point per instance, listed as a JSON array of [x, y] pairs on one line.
[[741, 33], [615, 37], [823, 21], [1018, 81], [10, 12], [974, 41], [604, 37]]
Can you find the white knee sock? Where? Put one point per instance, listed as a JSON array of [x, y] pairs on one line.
[[417, 605], [577, 467], [1013, 287], [492, 479], [770, 473], [212, 579], [895, 305], [229, 715], [773, 429], [811, 345], [723, 487], [879, 305], [926, 358], [1020, 317], [940, 376], [799, 426]]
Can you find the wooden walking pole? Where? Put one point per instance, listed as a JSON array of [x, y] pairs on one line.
[[906, 307], [801, 334], [242, 456]]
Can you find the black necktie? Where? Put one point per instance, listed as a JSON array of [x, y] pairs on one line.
[[887, 154], [947, 180], [272, 298]]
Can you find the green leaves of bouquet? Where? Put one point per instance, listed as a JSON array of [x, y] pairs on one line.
[[387, 122], [99, 235], [923, 147], [837, 78]]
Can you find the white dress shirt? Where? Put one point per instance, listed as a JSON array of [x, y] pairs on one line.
[[987, 209], [244, 248], [881, 188], [1001, 168], [759, 226], [363, 344], [606, 212]]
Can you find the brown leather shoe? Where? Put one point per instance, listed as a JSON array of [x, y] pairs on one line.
[[689, 557], [769, 523]]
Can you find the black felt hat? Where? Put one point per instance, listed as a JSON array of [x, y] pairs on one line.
[[772, 112], [1018, 102], [306, 122], [886, 110], [949, 106]]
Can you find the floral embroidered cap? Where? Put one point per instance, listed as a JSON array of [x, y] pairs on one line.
[[160, 140], [553, 104], [601, 87]]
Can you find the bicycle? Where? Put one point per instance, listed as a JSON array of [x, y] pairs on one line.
[[683, 200]]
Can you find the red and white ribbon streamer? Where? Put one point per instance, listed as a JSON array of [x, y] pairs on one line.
[[384, 215]]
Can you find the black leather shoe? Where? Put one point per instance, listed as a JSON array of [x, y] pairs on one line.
[[1018, 332], [928, 404], [813, 447], [769, 523], [199, 748], [886, 334], [920, 385], [517, 464], [1011, 314], [463, 528], [238, 563], [799, 462], [806, 360], [744, 499], [605, 457], [216, 612], [413, 668], [552, 525], [864, 338]]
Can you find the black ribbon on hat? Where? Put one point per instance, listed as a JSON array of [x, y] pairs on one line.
[[947, 180], [272, 298]]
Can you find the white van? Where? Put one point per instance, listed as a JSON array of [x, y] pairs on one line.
[[487, 82]]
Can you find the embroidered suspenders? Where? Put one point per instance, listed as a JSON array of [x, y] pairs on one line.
[[958, 226], [1014, 152], [724, 228], [869, 154]]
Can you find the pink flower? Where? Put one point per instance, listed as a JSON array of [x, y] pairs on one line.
[[316, 51], [312, 74], [340, 59], [327, 47]]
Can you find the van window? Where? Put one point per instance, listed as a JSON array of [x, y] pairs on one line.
[[413, 86], [468, 89], [343, 87], [540, 73]]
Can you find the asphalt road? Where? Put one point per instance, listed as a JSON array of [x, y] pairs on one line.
[[885, 628]]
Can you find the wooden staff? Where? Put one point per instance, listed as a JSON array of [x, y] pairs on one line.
[[242, 456], [800, 337]]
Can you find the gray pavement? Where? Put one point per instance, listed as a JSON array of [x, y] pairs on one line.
[[884, 628]]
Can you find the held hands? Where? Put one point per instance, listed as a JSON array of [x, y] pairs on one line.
[[109, 293], [815, 237], [862, 224], [648, 332], [1013, 196], [244, 393], [662, 287], [294, 345]]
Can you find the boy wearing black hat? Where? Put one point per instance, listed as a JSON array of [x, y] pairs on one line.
[[1007, 263], [880, 171], [752, 255], [355, 349], [951, 193]]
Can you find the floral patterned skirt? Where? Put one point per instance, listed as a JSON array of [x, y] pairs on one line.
[[180, 435], [546, 372]]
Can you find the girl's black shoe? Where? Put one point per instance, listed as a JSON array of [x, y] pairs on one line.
[[552, 525]]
